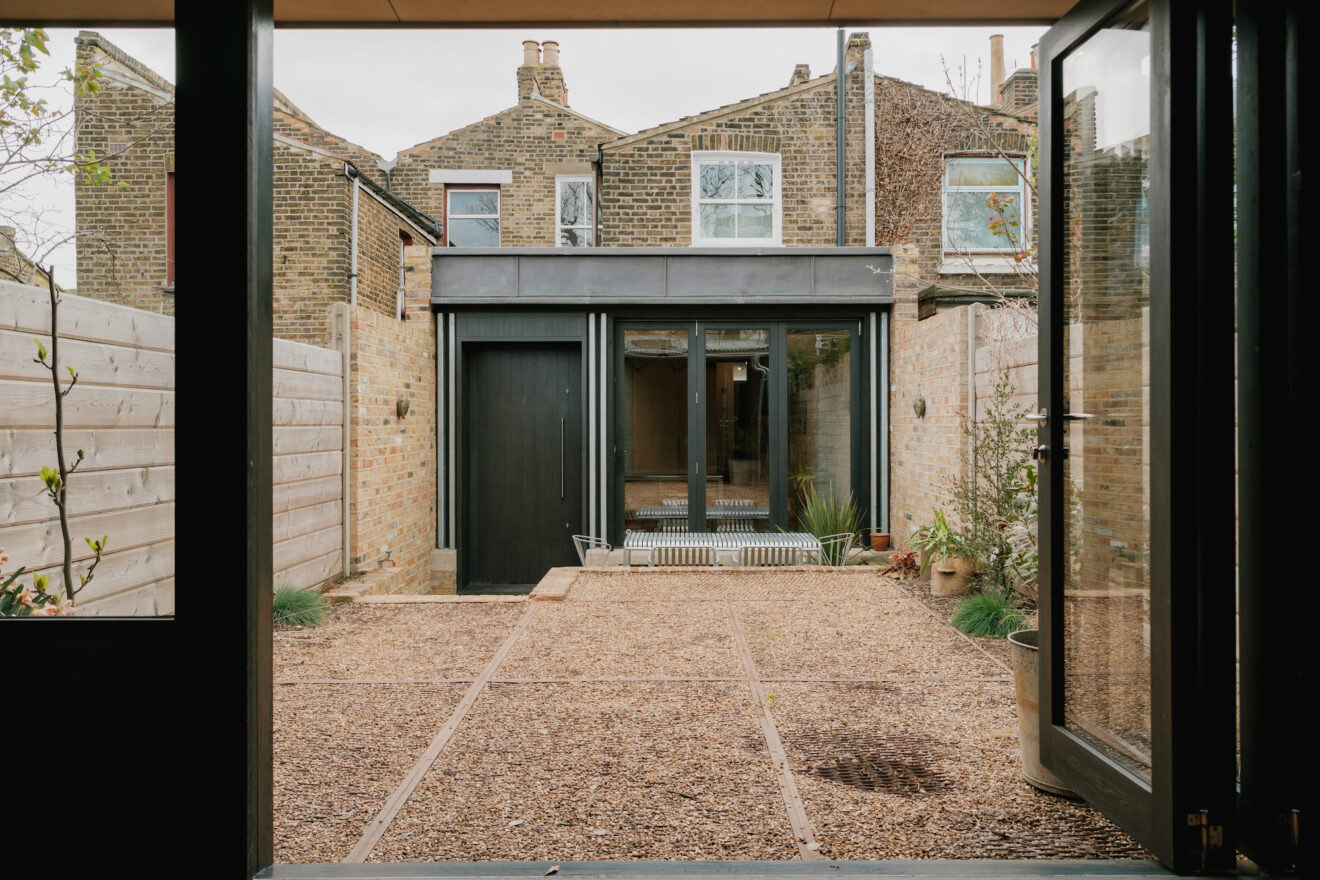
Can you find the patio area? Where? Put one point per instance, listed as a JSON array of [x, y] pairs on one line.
[[659, 714]]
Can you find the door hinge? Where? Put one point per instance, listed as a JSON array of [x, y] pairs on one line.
[[696, 398], [1211, 836]]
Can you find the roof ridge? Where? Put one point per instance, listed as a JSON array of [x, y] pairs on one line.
[[94, 38]]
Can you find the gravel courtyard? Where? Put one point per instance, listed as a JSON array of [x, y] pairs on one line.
[[662, 714]]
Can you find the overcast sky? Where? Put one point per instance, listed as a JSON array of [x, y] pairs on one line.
[[389, 90]]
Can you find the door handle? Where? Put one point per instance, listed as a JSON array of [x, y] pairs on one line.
[[561, 459], [1077, 417]]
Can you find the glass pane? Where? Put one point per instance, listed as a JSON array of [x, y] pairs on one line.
[[1106, 576], [576, 238], [983, 172], [737, 430], [654, 423], [474, 202], [718, 221], [574, 203], [819, 416], [756, 221], [756, 181], [717, 181], [969, 215], [474, 233], [104, 238]]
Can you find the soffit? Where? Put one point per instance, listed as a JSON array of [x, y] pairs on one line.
[[526, 12]]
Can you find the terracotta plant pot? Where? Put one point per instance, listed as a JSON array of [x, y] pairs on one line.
[[879, 541], [1024, 645], [950, 576]]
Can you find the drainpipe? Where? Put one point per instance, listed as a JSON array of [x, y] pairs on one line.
[[868, 83], [353, 237], [838, 137]]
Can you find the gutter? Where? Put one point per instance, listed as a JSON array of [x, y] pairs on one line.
[[839, 221], [868, 74], [353, 238]]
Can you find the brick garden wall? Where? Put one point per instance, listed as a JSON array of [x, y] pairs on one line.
[[928, 360], [392, 494]]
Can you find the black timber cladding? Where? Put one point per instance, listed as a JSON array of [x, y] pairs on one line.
[[694, 276]]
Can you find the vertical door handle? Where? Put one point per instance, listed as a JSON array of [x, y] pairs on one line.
[[561, 459]]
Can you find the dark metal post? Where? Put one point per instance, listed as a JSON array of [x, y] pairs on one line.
[[1276, 480], [223, 136]]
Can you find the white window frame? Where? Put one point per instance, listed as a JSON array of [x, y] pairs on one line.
[[1024, 199], [730, 157], [590, 180], [499, 209]]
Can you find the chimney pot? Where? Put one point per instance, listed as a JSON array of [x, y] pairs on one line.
[[996, 68], [550, 53], [531, 53]]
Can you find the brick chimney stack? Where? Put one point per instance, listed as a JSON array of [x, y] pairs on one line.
[[540, 73], [996, 68]]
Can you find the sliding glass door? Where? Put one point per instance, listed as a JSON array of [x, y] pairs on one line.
[[728, 426]]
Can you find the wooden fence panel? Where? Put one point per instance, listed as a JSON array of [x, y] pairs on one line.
[[122, 414]]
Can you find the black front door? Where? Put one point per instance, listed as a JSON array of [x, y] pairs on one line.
[[522, 463]]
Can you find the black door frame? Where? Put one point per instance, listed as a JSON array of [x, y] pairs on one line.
[[1185, 813]]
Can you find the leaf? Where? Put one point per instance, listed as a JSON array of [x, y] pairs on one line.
[[553, 869], [41, 349]]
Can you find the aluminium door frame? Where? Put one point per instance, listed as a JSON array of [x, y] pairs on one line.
[[1189, 800], [778, 322]]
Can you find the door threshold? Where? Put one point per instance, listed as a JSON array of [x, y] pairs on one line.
[[972, 869]]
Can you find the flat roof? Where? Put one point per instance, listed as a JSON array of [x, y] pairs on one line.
[[656, 276]]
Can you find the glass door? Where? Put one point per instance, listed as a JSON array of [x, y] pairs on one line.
[[1136, 687], [737, 403], [653, 422]]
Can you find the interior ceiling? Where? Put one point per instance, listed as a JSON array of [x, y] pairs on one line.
[[495, 13]]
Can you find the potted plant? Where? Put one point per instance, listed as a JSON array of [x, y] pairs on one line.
[[945, 553], [1024, 645]]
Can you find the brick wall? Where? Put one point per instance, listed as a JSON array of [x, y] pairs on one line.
[[535, 140], [312, 242], [646, 195], [392, 491], [928, 360], [121, 246]]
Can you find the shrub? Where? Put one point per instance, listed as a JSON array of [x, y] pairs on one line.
[[990, 615], [824, 515], [988, 496], [295, 607]]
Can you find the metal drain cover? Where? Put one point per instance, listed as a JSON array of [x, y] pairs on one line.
[[898, 763]]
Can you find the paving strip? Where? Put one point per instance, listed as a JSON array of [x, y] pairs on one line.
[[797, 812], [376, 828]]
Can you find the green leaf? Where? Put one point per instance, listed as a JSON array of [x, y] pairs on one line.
[[41, 349]]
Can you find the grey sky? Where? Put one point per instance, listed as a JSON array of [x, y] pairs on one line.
[[389, 90]]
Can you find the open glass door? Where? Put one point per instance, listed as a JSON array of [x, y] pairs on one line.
[[1137, 677]]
